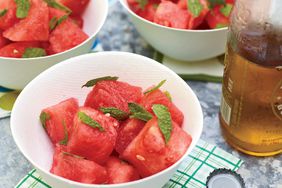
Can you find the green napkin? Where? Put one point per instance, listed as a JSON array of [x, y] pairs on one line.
[[210, 70], [192, 173]]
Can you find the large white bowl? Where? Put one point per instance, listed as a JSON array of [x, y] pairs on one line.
[[180, 44], [16, 73], [65, 80]]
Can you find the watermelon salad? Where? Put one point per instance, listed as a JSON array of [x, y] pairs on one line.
[[185, 14], [120, 134], [35, 28]]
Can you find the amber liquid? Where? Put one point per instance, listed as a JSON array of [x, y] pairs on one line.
[[251, 108]]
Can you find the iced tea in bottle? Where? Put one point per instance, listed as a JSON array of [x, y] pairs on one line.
[[251, 105]]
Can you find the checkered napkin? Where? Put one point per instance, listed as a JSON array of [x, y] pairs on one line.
[[192, 173]]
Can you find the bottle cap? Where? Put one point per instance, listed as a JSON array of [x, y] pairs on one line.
[[221, 178]]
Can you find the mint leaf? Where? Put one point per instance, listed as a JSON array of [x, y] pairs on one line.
[[53, 23], [142, 3], [66, 138], [56, 5], [219, 25], [89, 121], [61, 19], [156, 87], [43, 118], [164, 120], [3, 12], [213, 3], [168, 95], [93, 82], [115, 113], [226, 10], [195, 7], [139, 112], [73, 155], [34, 52], [23, 7]]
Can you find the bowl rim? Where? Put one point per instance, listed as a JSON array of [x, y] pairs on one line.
[[122, 2], [106, 53], [103, 20]]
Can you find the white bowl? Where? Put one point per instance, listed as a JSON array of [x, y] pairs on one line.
[[180, 44], [15, 73], [65, 79]]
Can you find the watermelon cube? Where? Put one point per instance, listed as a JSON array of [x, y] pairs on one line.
[[147, 10], [3, 41], [196, 18], [90, 142], [77, 20], [65, 36], [170, 15], [77, 168], [58, 120], [216, 19], [77, 6], [158, 97], [149, 153], [35, 27], [17, 49], [10, 18], [120, 171], [127, 132], [113, 94]]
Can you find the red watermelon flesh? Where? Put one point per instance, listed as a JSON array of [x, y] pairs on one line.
[[76, 168], [35, 27], [195, 20], [148, 152], [17, 49], [77, 20], [92, 143], [66, 36], [77, 6], [113, 94], [3, 41], [147, 12], [120, 171], [158, 97], [53, 12], [216, 19], [127, 132], [10, 18], [61, 119], [170, 15]]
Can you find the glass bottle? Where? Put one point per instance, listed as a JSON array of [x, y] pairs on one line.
[[251, 105]]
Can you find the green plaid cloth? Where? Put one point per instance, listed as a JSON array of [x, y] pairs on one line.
[[192, 173]]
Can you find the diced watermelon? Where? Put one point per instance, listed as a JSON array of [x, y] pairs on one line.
[[92, 143], [149, 153], [53, 12], [77, 20], [66, 36], [127, 132], [113, 94], [60, 119], [148, 11], [158, 97], [17, 49], [216, 19], [196, 18], [120, 171], [77, 6], [76, 168], [3, 41], [35, 27], [10, 18], [170, 15]]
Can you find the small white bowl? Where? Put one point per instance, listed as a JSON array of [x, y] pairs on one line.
[[180, 44], [15, 73], [65, 79]]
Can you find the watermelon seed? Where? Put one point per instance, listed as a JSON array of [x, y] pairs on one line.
[[140, 157]]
